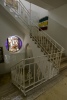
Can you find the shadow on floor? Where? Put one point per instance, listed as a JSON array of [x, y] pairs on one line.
[[5, 78]]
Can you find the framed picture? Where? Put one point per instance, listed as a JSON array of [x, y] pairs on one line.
[[1, 55]]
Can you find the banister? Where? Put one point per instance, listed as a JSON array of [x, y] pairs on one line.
[[44, 67], [44, 32], [23, 20], [21, 4], [34, 58]]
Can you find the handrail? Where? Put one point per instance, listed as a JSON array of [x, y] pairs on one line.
[[34, 58], [21, 4], [44, 32], [22, 73], [51, 42], [18, 15], [24, 7]]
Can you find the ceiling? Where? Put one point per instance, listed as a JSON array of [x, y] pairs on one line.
[[48, 4]]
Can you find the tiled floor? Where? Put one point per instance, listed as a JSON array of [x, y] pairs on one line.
[[4, 79], [57, 92]]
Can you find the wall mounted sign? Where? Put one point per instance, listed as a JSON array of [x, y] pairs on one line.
[[1, 55], [43, 23]]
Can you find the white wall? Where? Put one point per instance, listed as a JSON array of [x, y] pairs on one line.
[[7, 28], [57, 25], [60, 15], [38, 11]]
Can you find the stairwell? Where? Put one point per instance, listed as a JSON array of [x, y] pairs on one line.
[[63, 64], [49, 49], [30, 75]]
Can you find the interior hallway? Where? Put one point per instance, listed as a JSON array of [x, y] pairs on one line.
[[58, 91], [55, 90]]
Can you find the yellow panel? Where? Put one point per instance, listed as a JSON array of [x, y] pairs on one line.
[[43, 23]]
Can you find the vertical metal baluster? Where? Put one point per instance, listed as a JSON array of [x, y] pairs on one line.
[[51, 57], [20, 76], [58, 61], [29, 74], [34, 73], [4, 2], [55, 59], [47, 46], [45, 43], [45, 40], [24, 78], [60, 55], [39, 40], [52, 49], [16, 74], [42, 40]]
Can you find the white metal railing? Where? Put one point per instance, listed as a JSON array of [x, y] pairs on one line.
[[26, 76], [36, 71], [18, 12], [35, 27], [25, 15]]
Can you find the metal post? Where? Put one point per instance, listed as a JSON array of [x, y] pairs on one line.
[[30, 20], [34, 72], [4, 2]]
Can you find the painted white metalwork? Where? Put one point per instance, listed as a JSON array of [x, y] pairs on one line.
[[24, 15], [28, 76]]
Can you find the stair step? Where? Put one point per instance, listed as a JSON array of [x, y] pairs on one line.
[[63, 59], [63, 66], [47, 48], [8, 89]]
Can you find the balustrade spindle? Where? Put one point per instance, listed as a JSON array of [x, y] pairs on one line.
[[34, 72], [48, 44]]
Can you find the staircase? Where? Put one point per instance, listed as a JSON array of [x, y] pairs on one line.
[[8, 91], [63, 63], [26, 76]]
